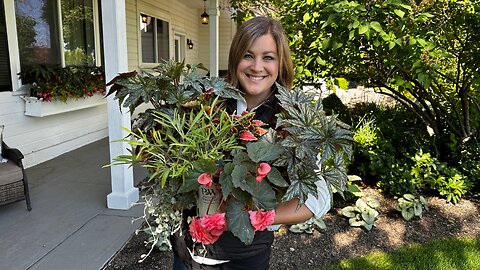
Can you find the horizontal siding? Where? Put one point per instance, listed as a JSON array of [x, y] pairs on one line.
[[184, 19], [43, 138]]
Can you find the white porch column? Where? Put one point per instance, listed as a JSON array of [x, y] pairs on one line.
[[115, 49], [214, 22]]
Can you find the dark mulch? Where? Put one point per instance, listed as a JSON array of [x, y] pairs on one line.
[[339, 240]]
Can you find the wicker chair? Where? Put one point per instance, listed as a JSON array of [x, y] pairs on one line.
[[13, 180]]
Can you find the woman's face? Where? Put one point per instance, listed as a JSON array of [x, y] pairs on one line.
[[257, 71]]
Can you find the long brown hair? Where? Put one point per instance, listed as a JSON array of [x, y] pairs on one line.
[[246, 34]]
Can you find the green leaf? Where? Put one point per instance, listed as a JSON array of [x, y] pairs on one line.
[[205, 165], [376, 26], [239, 222], [407, 214], [263, 193], [276, 178], [363, 29], [409, 197], [263, 151], [190, 183], [400, 13], [349, 211], [356, 223], [226, 179], [306, 17]]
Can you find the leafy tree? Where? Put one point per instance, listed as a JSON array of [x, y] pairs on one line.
[[424, 54]]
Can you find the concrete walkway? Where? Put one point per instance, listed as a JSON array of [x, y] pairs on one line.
[[69, 226]]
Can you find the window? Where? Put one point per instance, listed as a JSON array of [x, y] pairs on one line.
[[154, 39], [56, 32]]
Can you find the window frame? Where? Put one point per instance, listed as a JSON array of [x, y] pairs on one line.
[[14, 54], [166, 19]]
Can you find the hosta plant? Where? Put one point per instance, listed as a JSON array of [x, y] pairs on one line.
[[363, 213], [411, 206], [308, 227], [191, 144]]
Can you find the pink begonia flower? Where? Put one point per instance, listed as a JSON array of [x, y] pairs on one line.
[[205, 179], [215, 224], [260, 220], [262, 171], [200, 233], [247, 136]]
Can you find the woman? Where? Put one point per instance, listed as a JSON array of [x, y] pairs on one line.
[[259, 57]]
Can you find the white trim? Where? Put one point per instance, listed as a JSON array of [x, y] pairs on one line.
[[214, 44], [96, 33], [12, 40], [39, 108], [60, 34], [123, 194]]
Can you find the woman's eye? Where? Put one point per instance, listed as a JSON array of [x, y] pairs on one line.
[[247, 56], [268, 57]]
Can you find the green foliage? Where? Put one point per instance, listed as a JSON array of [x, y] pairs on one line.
[[363, 213], [56, 83], [308, 227], [189, 133], [426, 56], [310, 132], [333, 105], [410, 206]]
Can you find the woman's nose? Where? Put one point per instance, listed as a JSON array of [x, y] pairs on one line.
[[257, 65]]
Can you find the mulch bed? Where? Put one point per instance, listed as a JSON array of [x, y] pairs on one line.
[[339, 240]]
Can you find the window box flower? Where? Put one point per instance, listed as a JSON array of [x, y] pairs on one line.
[[52, 89]]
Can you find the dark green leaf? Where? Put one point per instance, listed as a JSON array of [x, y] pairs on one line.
[[239, 222]]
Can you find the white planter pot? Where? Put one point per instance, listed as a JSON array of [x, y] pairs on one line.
[[208, 199], [38, 108]]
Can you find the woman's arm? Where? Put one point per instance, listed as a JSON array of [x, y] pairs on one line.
[[287, 213]]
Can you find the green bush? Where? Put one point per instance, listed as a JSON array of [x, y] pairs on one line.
[[333, 105]]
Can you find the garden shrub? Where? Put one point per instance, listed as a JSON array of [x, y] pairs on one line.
[[333, 105], [388, 154]]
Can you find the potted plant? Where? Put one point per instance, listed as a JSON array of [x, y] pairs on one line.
[[193, 147]]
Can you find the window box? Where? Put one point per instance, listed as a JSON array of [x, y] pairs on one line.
[[38, 108]]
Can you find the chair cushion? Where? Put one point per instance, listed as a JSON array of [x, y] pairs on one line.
[[10, 173]]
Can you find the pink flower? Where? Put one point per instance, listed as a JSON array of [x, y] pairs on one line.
[[260, 220], [205, 179], [215, 224], [262, 170], [200, 233], [247, 136]]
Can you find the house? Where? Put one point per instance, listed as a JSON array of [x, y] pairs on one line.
[[121, 35]]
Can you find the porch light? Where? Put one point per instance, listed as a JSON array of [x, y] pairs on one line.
[[204, 16], [144, 18], [190, 43]]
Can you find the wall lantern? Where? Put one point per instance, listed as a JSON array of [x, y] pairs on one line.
[[144, 18], [190, 44], [204, 16]]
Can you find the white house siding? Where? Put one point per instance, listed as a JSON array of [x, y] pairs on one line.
[[43, 138], [184, 19], [226, 31]]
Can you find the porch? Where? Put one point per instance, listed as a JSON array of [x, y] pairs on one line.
[[70, 226]]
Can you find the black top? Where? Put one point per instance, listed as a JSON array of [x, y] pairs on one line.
[[228, 247]]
